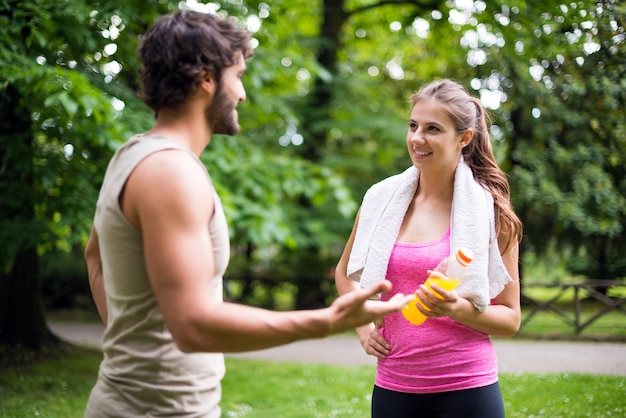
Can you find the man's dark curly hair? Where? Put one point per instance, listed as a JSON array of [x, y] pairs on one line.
[[179, 50]]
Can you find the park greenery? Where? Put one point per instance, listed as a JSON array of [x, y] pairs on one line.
[[325, 118], [58, 386]]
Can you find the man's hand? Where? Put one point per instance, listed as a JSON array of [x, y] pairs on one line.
[[355, 308]]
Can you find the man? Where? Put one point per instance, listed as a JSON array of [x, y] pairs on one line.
[[159, 245]]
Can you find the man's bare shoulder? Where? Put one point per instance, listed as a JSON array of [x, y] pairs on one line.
[[171, 168], [168, 181]]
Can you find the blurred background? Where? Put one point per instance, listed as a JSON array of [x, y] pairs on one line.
[[326, 117]]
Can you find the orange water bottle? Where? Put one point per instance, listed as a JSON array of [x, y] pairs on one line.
[[455, 268]]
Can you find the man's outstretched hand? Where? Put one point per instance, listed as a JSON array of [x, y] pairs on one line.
[[356, 308]]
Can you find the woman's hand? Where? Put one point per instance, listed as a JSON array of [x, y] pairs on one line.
[[438, 301], [375, 344]]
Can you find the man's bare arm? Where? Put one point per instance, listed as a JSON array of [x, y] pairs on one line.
[[170, 199]]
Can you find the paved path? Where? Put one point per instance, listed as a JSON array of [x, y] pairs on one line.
[[514, 355]]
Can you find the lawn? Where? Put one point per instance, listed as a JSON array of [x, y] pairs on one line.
[[58, 385]]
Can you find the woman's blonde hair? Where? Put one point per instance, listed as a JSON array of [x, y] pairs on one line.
[[466, 113]]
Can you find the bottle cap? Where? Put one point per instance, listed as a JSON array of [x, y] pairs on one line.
[[464, 256]]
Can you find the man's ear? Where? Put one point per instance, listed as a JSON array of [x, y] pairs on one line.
[[208, 83]]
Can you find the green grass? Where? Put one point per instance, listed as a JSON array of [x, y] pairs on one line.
[[59, 384], [55, 386]]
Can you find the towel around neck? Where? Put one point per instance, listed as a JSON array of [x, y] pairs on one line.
[[472, 225]]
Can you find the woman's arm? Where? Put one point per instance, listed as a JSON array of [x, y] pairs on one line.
[[501, 318]]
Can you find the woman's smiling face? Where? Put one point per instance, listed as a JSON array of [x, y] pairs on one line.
[[432, 139]]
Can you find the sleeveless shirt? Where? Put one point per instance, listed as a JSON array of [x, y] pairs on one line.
[[143, 373], [440, 355]]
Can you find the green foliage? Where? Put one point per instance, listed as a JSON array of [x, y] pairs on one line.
[[67, 82], [47, 76], [561, 68], [64, 281], [68, 76], [262, 193]]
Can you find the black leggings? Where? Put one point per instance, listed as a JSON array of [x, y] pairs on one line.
[[484, 402]]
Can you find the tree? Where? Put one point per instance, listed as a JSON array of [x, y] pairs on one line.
[[68, 96], [342, 105], [552, 74], [326, 117], [561, 69], [49, 59]]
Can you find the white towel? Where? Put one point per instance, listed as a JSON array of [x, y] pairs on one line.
[[472, 225]]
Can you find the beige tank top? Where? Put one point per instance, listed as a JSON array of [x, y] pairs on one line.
[[143, 373]]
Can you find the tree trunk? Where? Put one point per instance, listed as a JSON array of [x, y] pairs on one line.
[[334, 16], [22, 315], [312, 279], [313, 127]]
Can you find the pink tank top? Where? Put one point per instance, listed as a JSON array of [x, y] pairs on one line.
[[440, 355]]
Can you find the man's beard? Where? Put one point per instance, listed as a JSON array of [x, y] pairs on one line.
[[221, 114]]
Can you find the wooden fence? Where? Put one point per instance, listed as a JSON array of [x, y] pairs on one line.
[[582, 291]]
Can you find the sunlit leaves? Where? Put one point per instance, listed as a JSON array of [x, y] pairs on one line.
[[552, 73], [263, 192]]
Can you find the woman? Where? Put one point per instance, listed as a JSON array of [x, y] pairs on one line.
[[453, 195]]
